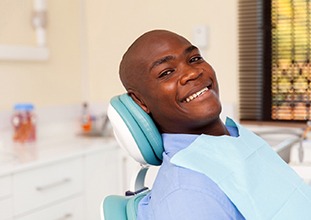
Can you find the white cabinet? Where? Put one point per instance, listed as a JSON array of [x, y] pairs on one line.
[[103, 177], [130, 168], [107, 172], [67, 186], [64, 175]]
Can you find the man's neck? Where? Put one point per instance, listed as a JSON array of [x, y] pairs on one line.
[[217, 128]]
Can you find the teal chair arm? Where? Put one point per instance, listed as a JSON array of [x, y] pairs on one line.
[[116, 207]]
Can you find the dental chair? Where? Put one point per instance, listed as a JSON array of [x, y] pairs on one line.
[[135, 132]]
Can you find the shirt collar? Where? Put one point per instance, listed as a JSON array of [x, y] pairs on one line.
[[176, 142]]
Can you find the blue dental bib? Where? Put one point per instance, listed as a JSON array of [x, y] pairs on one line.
[[260, 184]]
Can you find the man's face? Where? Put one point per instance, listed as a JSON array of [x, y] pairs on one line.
[[179, 88]]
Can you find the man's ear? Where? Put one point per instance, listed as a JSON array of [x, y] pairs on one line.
[[139, 102]]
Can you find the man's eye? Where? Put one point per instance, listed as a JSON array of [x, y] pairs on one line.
[[196, 59], [165, 73]]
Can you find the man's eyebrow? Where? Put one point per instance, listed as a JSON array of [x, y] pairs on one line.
[[190, 49], [168, 58], [160, 61]]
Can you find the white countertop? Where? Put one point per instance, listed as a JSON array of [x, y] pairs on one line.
[[19, 157], [58, 138], [55, 142]]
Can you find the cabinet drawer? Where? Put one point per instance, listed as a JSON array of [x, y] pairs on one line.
[[69, 210], [46, 184]]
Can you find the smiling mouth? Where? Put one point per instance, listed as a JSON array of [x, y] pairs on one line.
[[196, 95]]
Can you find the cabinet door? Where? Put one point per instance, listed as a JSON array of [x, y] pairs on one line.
[[130, 168], [6, 210], [6, 201], [102, 174]]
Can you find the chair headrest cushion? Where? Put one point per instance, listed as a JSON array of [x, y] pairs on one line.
[[135, 131]]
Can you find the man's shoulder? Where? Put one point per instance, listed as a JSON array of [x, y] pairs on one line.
[[172, 178], [186, 190], [178, 190]]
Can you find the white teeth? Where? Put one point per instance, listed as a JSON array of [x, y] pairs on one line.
[[195, 95]]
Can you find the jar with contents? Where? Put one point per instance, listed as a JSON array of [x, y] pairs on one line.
[[24, 123]]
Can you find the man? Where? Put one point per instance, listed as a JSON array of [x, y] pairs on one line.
[[168, 78]]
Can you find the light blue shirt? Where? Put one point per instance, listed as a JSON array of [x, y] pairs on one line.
[[183, 194]]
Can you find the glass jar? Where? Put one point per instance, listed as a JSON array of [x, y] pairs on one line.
[[24, 123]]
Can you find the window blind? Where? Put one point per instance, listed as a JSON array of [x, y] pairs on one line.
[[291, 69], [251, 61], [274, 60]]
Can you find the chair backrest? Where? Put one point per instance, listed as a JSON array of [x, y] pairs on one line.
[[136, 132]]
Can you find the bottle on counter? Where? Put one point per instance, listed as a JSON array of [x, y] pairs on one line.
[[24, 123], [86, 119]]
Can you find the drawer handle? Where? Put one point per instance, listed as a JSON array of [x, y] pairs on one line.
[[53, 185], [66, 216]]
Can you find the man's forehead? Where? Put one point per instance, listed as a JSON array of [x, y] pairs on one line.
[[157, 45], [155, 38], [147, 49]]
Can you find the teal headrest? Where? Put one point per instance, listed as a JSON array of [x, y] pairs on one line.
[[135, 130]]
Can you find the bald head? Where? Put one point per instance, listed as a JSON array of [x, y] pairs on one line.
[[169, 79], [134, 64]]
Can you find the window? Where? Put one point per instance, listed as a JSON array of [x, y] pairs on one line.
[[274, 60]]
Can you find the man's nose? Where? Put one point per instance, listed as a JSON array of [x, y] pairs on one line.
[[190, 73]]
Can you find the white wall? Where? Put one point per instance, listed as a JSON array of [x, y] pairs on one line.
[[88, 37], [56, 81], [122, 21]]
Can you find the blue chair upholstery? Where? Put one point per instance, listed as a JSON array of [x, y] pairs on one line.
[[129, 122], [115, 207], [136, 132], [122, 207]]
